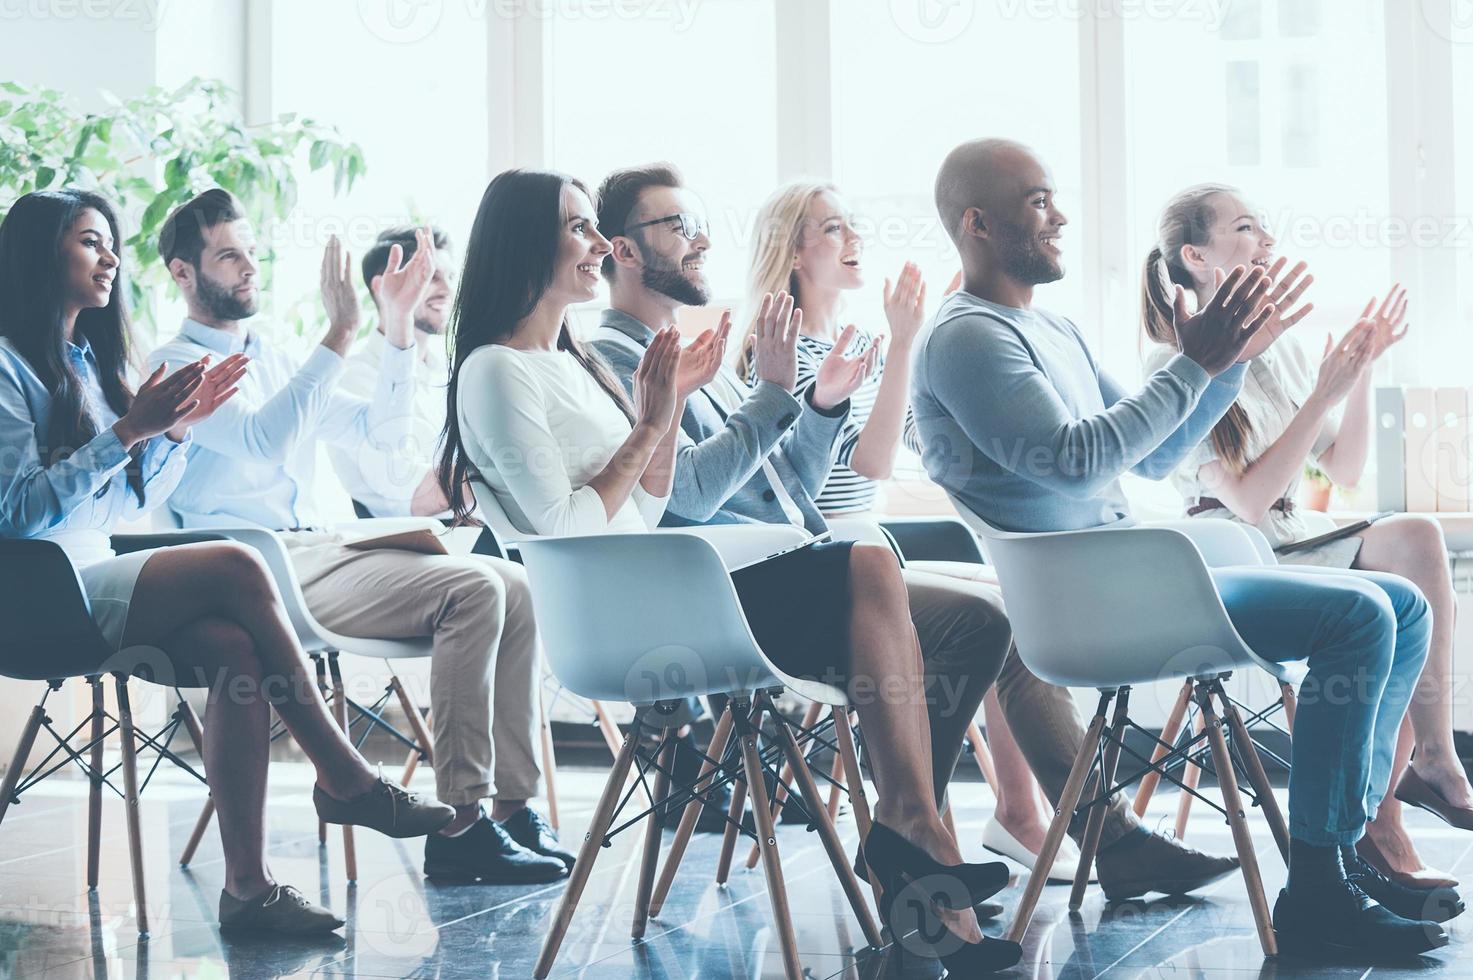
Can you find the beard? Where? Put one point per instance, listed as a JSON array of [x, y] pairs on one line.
[[1024, 259], [667, 280], [222, 304], [429, 327]]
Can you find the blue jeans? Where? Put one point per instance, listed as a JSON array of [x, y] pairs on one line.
[[1365, 635]]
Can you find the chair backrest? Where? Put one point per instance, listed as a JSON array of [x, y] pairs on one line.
[[46, 626], [1111, 606], [641, 617], [934, 539]]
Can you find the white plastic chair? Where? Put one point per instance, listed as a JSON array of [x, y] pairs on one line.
[[1142, 607], [654, 619]]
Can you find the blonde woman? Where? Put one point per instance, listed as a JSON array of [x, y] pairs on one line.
[[807, 246], [1290, 411]]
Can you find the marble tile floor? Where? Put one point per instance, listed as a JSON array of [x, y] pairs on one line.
[[399, 925]]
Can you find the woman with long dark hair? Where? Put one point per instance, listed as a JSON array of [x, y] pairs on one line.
[[1290, 411], [84, 450], [545, 427]]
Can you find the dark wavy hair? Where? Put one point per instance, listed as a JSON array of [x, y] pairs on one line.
[[509, 263], [33, 316]]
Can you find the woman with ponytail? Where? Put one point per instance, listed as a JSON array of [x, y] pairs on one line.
[[1291, 411]]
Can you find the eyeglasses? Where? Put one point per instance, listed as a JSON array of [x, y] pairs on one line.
[[692, 226]]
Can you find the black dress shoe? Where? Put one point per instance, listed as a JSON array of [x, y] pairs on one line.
[[1131, 868], [1342, 920], [1432, 904], [487, 853], [529, 829]]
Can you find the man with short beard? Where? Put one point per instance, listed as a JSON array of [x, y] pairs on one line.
[[402, 483], [254, 465], [1022, 426]]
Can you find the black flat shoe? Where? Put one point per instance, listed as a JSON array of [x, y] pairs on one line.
[[911, 917], [487, 853], [528, 828], [1344, 921], [951, 886], [1430, 904]]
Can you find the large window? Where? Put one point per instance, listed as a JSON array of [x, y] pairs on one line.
[[912, 80], [410, 88], [1287, 100], [694, 84]]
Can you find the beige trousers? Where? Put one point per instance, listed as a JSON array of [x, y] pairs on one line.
[[484, 674]]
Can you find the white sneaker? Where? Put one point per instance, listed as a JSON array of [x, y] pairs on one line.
[[995, 838]]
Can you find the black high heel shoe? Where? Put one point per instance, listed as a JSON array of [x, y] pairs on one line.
[[951, 886], [911, 888]]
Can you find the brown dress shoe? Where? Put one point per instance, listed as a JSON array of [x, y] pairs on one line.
[[1153, 863], [1421, 878], [388, 808], [1415, 790], [281, 910]]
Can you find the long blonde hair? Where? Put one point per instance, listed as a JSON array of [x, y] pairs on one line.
[[774, 246], [1187, 220]]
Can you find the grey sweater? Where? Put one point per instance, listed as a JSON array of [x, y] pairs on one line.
[[719, 477], [1021, 425]]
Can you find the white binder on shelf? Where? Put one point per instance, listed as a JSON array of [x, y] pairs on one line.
[[1450, 444], [1421, 453], [1391, 477]]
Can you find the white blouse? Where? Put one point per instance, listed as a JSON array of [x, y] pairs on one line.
[[1275, 387], [537, 427]]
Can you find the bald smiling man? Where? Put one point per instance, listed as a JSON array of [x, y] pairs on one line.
[[1021, 425]]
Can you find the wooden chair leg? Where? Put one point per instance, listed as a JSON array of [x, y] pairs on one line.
[[784, 783], [813, 800], [94, 792], [716, 750], [1191, 775], [18, 761], [854, 783], [654, 833], [603, 815], [606, 726], [836, 785], [1063, 814], [549, 765], [1237, 820], [340, 710], [740, 790], [1169, 732], [197, 736], [777, 893], [982, 754], [417, 725], [1291, 706], [1094, 826], [1257, 777], [130, 797]]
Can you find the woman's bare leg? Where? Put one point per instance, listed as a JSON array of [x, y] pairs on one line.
[[169, 597], [1413, 547], [1020, 807], [887, 687]]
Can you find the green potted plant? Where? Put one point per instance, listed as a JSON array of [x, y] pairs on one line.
[[1317, 488], [150, 153]]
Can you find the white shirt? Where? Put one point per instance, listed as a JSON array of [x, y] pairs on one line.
[[253, 460], [385, 482], [537, 428]]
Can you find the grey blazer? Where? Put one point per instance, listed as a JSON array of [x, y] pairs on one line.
[[719, 477]]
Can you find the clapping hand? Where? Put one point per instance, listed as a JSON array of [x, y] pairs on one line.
[[1388, 322], [1216, 335], [839, 376], [402, 287], [161, 403], [655, 395], [217, 386], [1344, 363], [905, 305], [1284, 295], [339, 297], [702, 359], [775, 331]]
